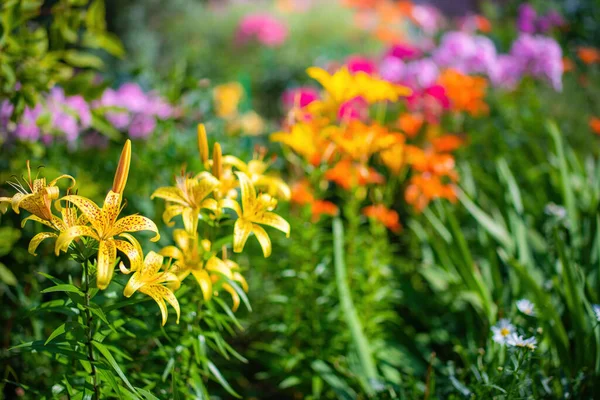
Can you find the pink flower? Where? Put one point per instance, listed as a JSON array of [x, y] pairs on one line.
[[299, 97], [356, 108], [262, 27], [361, 64], [392, 69], [403, 52]]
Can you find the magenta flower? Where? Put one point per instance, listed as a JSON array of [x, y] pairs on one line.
[[403, 52], [261, 27], [526, 19], [299, 97], [356, 108], [421, 73], [361, 64]]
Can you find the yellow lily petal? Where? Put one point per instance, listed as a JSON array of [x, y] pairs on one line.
[[171, 252], [135, 223], [92, 212], [235, 297], [67, 236], [170, 193], [205, 187], [190, 219], [274, 186], [133, 254], [172, 211], [152, 264], [158, 293], [231, 204], [53, 182], [263, 239], [122, 169], [248, 191], [210, 204], [205, 283], [215, 264], [232, 161], [182, 238], [111, 208], [133, 284], [37, 239], [275, 221], [41, 221], [240, 279], [107, 254], [241, 231]]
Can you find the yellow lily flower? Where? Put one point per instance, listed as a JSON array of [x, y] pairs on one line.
[[189, 258], [255, 169], [255, 210], [104, 224], [68, 220], [227, 98], [339, 86], [147, 279], [36, 196], [187, 198]]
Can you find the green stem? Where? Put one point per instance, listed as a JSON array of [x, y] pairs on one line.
[[89, 334], [348, 309]]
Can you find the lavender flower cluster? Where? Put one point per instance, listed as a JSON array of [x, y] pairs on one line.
[[69, 118], [537, 56]]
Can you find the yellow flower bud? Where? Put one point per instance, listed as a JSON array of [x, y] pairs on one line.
[[217, 165], [122, 169], [202, 143]]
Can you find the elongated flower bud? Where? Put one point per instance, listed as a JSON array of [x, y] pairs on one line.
[[217, 167], [122, 169], [202, 143]]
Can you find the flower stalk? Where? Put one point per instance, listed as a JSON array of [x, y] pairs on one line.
[[89, 333]]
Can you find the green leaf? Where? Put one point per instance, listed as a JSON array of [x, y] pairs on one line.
[[168, 369], [222, 381], [147, 394], [567, 190], [113, 363], [7, 276], [492, 227], [57, 332], [105, 128], [66, 287], [82, 60], [349, 311], [341, 388], [289, 382]]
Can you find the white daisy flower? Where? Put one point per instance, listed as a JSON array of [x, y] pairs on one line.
[[516, 340], [502, 330], [526, 307], [596, 308]]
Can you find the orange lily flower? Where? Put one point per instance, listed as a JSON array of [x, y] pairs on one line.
[[389, 218]]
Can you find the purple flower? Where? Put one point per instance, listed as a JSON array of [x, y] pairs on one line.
[[27, 129], [94, 140], [159, 107], [526, 20], [421, 73], [508, 72], [392, 69], [469, 54], [142, 125], [81, 108], [540, 57], [132, 97]]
